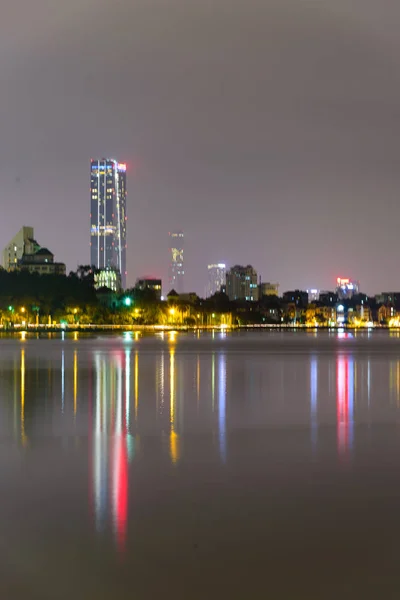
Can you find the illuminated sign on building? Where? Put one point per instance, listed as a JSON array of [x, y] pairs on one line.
[[346, 288]]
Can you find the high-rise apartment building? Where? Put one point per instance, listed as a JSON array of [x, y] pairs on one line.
[[176, 268], [108, 215], [216, 278], [241, 283]]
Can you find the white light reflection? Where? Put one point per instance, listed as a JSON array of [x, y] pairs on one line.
[[222, 406], [100, 450], [213, 382], [62, 381], [314, 400], [198, 382]]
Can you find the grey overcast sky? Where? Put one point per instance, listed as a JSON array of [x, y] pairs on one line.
[[268, 130]]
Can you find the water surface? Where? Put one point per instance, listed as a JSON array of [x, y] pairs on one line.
[[243, 465]]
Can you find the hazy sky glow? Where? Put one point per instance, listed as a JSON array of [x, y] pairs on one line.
[[269, 131]]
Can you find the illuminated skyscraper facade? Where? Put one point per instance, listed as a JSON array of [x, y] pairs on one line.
[[216, 278], [108, 217], [176, 268]]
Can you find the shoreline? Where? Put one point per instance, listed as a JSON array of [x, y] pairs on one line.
[[184, 328]]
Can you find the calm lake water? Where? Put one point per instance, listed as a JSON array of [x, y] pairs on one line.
[[243, 465]]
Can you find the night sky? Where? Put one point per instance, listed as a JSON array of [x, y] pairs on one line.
[[269, 131]]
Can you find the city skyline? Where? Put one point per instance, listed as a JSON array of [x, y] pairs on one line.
[[290, 165]]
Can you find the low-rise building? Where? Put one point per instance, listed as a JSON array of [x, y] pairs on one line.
[[41, 262], [328, 298], [24, 253], [269, 289], [297, 297], [154, 285], [108, 278]]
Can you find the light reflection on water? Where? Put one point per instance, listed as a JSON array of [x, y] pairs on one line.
[[134, 398], [345, 404]]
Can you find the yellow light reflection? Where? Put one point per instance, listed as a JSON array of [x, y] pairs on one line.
[[398, 383], [162, 384], [392, 379], [198, 381], [24, 439], [174, 437], [213, 382], [75, 381], [23, 336]]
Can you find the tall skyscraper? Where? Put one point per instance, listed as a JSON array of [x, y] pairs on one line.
[[108, 215], [176, 268], [216, 278]]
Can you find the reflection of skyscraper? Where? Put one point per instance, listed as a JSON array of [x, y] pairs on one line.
[[216, 278], [110, 452], [176, 268], [108, 215]]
